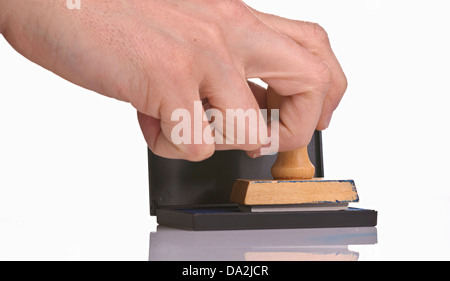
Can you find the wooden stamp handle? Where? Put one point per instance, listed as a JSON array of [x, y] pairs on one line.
[[291, 165]]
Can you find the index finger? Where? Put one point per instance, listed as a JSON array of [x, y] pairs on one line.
[[293, 72], [315, 39]]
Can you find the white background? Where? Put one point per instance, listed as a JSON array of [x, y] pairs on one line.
[[73, 165]]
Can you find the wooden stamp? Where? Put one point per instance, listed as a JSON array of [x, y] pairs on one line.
[[293, 186]]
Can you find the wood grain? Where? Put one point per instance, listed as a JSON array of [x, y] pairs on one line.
[[318, 191], [293, 165], [302, 256]]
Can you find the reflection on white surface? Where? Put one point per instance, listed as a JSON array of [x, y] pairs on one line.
[[168, 244], [77, 190]]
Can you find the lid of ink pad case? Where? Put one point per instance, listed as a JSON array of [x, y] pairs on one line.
[[175, 183]]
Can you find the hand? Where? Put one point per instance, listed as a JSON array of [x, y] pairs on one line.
[[162, 55]]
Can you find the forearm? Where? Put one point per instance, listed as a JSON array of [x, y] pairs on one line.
[[34, 27], [4, 14], [27, 14]]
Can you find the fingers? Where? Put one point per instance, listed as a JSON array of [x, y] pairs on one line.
[[232, 120], [315, 39], [228, 118], [299, 76], [178, 132], [234, 112], [294, 58]]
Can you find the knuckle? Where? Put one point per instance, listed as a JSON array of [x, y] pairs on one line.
[[230, 7], [230, 10], [209, 36], [320, 33], [182, 62], [323, 77], [343, 84], [315, 32]]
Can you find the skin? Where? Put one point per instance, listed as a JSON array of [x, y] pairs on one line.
[[161, 55]]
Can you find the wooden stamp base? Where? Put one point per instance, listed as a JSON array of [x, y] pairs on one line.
[[314, 191]]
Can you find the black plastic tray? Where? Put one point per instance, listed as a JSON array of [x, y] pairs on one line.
[[230, 218], [195, 196]]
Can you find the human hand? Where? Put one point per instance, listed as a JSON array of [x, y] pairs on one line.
[[162, 55]]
